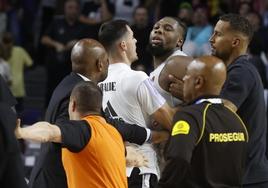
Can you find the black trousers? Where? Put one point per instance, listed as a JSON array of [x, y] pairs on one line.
[[257, 185], [135, 180]]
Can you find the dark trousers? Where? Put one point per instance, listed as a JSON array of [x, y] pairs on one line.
[[257, 185], [135, 180]]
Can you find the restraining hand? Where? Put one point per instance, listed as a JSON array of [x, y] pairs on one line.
[[176, 87], [135, 158]]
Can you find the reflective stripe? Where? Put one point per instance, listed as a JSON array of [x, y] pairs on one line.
[[204, 123], [146, 181]]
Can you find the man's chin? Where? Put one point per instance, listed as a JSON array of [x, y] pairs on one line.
[[213, 52], [157, 50]]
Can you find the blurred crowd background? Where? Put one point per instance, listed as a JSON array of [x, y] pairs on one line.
[[38, 35]]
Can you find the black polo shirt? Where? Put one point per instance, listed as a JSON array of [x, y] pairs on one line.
[[206, 148], [244, 88], [61, 31]]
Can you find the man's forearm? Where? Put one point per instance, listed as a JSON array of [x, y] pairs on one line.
[[164, 116], [40, 132], [159, 136]]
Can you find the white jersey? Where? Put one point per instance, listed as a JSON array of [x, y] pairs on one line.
[[130, 95], [154, 76]]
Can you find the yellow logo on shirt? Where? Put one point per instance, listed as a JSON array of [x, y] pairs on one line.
[[181, 127]]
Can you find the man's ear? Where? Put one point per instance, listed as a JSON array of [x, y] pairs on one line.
[[180, 43], [99, 65], [236, 41], [199, 82], [123, 45]]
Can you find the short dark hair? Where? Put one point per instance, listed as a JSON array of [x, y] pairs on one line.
[[88, 97], [7, 38], [183, 26], [111, 31], [239, 23]]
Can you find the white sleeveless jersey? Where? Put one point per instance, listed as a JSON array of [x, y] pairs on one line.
[[130, 95], [154, 76]]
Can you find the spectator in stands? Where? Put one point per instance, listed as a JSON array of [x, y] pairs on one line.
[[124, 9], [257, 45], [185, 13], [3, 18], [196, 43], [265, 14], [60, 37], [17, 59], [141, 29], [244, 8], [94, 13]]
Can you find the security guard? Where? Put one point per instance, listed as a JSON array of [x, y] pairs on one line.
[[207, 142]]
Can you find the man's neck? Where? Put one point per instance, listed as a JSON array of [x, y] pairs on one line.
[[160, 59], [78, 116], [234, 56], [118, 58], [90, 113]]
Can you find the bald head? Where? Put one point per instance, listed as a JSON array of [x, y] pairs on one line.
[[89, 58], [176, 66], [204, 76]]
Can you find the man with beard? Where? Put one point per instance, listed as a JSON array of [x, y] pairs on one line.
[[166, 41], [243, 92], [130, 95]]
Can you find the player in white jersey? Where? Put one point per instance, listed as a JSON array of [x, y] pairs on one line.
[[130, 95], [166, 41]]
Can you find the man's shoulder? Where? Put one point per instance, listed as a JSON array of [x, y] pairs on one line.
[[138, 75], [64, 88], [134, 77], [194, 110], [243, 62], [72, 77], [19, 49], [243, 68]]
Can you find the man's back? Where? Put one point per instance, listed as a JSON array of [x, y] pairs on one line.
[[212, 141], [124, 98], [243, 88], [48, 171], [101, 163], [119, 92]]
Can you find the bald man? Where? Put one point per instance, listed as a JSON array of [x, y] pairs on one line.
[[175, 66], [89, 63], [211, 138], [48, 171]]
